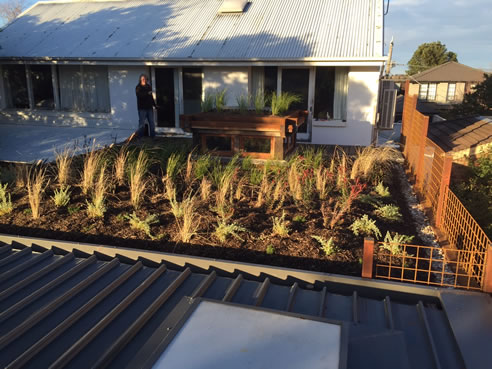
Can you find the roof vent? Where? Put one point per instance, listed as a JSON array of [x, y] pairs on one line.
[[233, 6]]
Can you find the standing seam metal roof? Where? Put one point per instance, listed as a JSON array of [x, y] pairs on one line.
[[194, 30], [71, 309]]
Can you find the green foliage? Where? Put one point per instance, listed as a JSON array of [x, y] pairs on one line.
[[143, 224], [328, 246], [175, 163], [280, 227], [313, 157], [220, 100], [270, 250], [429, 55], [477, 102], [223, 230], [259, 102], [256, 176], [299, 219], [381, 190], [27, 211], [393, 243], [5, 200], [73, 209], [281, 103], [365, 226], [388, 212], [61, 197], [242, 103], [95, 208], [219, 172], [208, 102], [202, 166]]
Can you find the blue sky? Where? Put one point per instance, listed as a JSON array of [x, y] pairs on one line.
[[464, 26]]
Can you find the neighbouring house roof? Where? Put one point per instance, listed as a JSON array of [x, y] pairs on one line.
[[194, 30], [74, 309], [450, 72], [461, 134]]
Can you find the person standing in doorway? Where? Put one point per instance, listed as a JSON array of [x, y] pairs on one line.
[[145, 105]]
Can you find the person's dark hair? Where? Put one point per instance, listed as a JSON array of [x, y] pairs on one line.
[[143, 75]]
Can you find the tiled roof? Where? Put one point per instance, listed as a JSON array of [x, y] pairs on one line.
[[450, 72], [72, 309]]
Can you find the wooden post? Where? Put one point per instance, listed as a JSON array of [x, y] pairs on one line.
[[487, 274], [445, 179], [368, 257]]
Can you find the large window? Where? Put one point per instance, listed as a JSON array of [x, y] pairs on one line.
[[451, 92], [15, 86], [264, 81], [192, 90], [42, 87], [330, 96], [428, 91], [84, 88]]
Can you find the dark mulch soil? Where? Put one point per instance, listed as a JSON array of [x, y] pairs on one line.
[[299, 250]]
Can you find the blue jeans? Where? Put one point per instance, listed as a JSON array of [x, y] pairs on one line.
[[146, 114]]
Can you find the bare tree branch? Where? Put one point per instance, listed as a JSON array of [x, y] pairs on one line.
[[10, 9]]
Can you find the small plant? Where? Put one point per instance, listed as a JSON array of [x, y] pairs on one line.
[[223, 230], [205, 189], [255, 176], [334, 213], [120, 164], [281, 103], [381, 190], [375, 164], [92, 162], [143, 224], [208, 102], [223, 206], [280, 227], [220, 100], [27, 211], [324, 182], [328, 246], [242, 103], [189, 223], [96, 207], [202, 166], [5, 200], [293, 179], [389, 212], [36, 184], [61, 196], [63, 162], [174, 166], [137, 179], [270, 250], [73, 209], [299, 219], [365, 226], [259, 102], [393, 243]]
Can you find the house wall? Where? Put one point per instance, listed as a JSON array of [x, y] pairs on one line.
[[362, 100], [235, 80], [442, 92]]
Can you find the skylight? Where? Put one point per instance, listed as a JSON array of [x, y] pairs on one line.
[[233, 6]]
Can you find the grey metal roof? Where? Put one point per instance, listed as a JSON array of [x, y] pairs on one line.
[[194, 30], [72, 309]]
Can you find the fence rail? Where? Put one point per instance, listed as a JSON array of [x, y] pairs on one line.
[[429, 167]]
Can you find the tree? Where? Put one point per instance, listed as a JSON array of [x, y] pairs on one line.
[[478, 102], [429, 55], [10, 9]]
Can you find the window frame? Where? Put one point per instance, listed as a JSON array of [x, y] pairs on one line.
[[454, 92]]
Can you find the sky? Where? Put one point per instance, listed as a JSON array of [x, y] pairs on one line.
[[464, 26]]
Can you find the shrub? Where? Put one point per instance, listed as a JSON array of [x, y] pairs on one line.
[[202, 166], [96, 207], [389, 212], [242, 103], [61, 196], [332, 215], [5, 200], [259, 102], [281, 103], [328, 246], [137, 179], [365, 226], [374, 164], [63, 161], [270, 250], [92, 162], [189, 223], [393, 243], [143, 224], [120, 164], [280, 226], [223, 230], [36, 185], [381, 190], [220, 100], [208, 102], [73, 209]]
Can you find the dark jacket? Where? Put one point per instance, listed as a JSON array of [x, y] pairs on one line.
[[145, 100]]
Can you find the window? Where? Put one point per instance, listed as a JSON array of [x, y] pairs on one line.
[[16, 86], [42, 87], [330, 94], [424, 88], [84, 88], [431, 96], [192, 90], [428, 91], [451, 92], [264, 80]]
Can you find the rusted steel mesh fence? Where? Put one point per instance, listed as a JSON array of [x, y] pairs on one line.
[[429, 167], [435, 266]]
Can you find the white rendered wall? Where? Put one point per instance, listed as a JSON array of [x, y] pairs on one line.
[[235, 80], [362, 101]]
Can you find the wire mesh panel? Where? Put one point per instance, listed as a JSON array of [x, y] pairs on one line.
[[435, 266]]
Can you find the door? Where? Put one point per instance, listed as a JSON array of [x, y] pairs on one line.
[[164, 89], [298, 81]]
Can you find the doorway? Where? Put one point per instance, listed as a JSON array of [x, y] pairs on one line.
[[164, 89]]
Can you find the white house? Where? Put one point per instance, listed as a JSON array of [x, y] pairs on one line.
[[76, 63]]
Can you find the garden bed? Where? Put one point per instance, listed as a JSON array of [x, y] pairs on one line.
[[295, 199]]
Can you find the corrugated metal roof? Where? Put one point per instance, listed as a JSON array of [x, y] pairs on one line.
[[195, 30], [71, 309]]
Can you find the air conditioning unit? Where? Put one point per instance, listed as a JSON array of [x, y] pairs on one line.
[[233, 6]]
